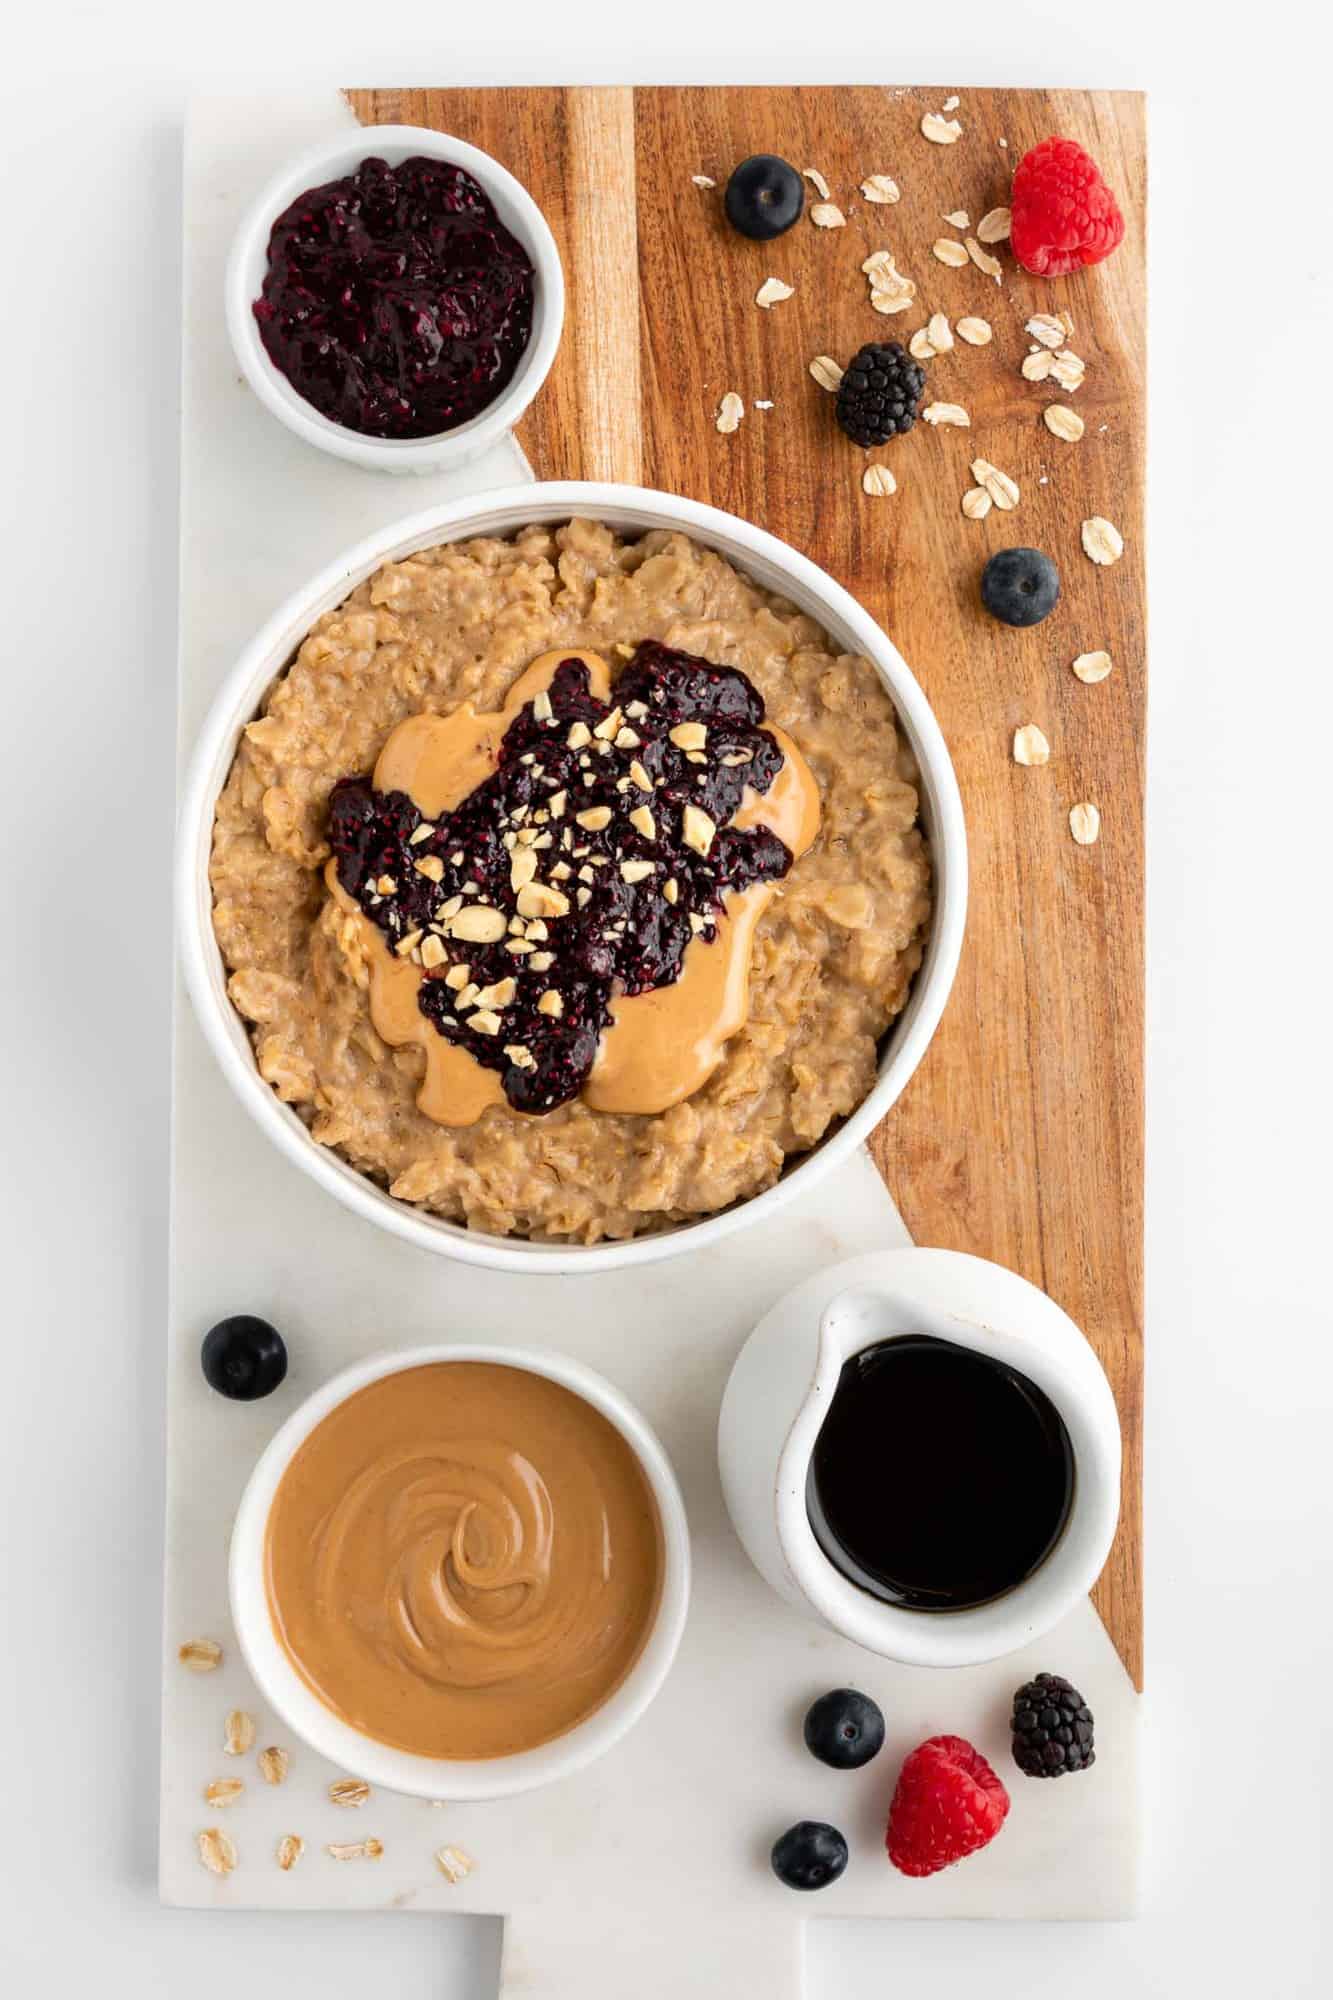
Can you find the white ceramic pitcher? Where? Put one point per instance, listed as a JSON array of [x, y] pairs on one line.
[[781, 1389]]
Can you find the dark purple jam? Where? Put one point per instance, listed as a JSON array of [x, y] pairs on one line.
[[396, 301], [619, 935]]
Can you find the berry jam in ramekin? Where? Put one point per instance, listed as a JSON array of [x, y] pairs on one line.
[[395, 301]]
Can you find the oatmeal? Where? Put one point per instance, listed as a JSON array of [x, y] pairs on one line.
[[831, 954]]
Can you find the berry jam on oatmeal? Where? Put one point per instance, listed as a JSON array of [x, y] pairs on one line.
[[395, 300], [702, 1089], [583, 869]]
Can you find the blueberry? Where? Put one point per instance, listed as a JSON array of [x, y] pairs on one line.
[[764, 197], [845, 1729], [809, 1855], [243, 1358], [1020, 586]]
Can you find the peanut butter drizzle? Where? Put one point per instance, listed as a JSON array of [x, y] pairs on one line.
[[662, 1045], [463, 1560]]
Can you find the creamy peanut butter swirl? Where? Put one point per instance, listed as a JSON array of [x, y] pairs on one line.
[[463, 1560]]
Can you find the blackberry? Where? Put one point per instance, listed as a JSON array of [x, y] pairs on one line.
[[1052, 1726], [880, 393]]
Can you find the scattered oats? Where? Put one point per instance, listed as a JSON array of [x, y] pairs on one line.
[[976, 332], [817, 181], [1002, 489], [697, 829], [983, 260], [950, 104], [1030, 746], [772, 292], [223, 1791], [200, 1655], [827, 215], [595, 819], [1004, 143], [763, 403], [1101, 541], [879, 187], [919, 346], [216, 1850], [994, 225], [551, 1003], [940, 131], [1092, 667], [352, 1791], [876, 261], [273, 1765], [895, 297], [950, 253], [1085, 823], [976, 503], [639, 871], [729, 413], [703, 180], [689, 735], [355, 1850], [290, 1849], [1037, 366], [454, 1863], [1063, 422], [238, 1732], [1068, 370], [937, 332], [946, 413], [878, 481], [958, 218], [826, 371], [641, 819], [1047, 329]]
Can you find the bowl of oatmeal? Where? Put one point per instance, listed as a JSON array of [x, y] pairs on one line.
[[569, 876]]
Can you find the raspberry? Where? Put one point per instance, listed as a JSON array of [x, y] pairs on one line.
[[1063, 216], [948, 1803]]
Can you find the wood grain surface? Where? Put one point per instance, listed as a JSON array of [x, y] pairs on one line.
[[1021, 1136]]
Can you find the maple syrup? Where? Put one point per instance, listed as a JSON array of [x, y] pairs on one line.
[[940, 1478]]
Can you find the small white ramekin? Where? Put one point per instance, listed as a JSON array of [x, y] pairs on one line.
[[248, 263], [630, 510], [438, 1777]]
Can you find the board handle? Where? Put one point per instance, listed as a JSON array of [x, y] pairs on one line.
[[576, 1950]]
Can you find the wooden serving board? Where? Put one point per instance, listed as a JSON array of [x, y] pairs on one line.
[[1021, 1137]]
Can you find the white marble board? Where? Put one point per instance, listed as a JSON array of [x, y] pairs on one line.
[[648, 1872]]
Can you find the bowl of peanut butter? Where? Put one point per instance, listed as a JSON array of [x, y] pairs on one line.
[[461, 1571]]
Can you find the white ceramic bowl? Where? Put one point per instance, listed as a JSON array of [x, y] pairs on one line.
[[779, 1394], [437, 1777], [248, 263], [770, 563]]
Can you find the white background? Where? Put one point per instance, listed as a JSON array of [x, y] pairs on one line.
[[1238, 1736]]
